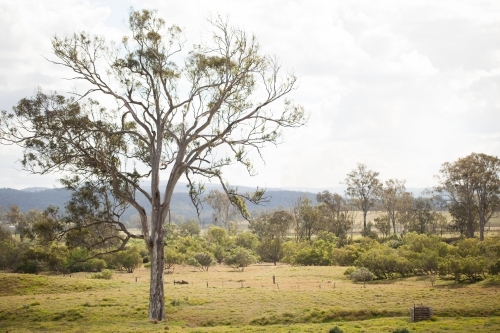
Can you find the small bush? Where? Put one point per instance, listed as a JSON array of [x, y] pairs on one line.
[[349, 271], [335, 329], [362, 274], [106, 274]]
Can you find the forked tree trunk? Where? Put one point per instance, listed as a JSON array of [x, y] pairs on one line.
[[156, 288]]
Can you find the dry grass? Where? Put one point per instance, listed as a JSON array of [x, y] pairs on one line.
[[303, 299]]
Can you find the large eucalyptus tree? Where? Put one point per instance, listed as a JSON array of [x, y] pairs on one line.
[[177, 114]]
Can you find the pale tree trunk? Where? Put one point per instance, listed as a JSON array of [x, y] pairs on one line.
[[156, 247], [156, 287]]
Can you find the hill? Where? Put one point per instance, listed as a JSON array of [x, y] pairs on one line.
[[181, 203]]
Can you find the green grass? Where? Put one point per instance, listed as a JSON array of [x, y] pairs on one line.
[[305, 299]]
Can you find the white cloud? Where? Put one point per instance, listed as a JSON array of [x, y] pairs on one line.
[[400, 86]]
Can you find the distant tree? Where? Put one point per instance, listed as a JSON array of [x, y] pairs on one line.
[[239, 258], [391, 197], [271, 229], [422, 218], [174, 117], [189, 228], [247, 240], [306, 217], [362, 274], [460, 218], [439, 203], [457, 183], [129, 259], [9, 250], [336, 214], [172, 257], [18, 220], [486, 180], [472, 184], [270, 249], [205, 260], [223, 209], [217, 236], [383, 225], [440, 222], [271, 225], [364, 187], [404, 212]]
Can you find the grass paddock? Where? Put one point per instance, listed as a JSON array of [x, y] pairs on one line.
[[303, 299]]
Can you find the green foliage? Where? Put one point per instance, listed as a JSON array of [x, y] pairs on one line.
[[362, 274], [319, 253], [193, 262], [219, 253], [345, 256], [217, 236], [10, 252], [247, 240], [349, 271], [189, 229], [336, 214], [205, 260], [172, 257], [274, 225], [129, 259], [270, 250], [106, 274], [239, 258]]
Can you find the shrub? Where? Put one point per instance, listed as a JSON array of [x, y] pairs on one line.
[[345, 256], [106, 274], [362, 274], [239, 258], [349, 271], [335, 329], [172, 257], [205, 260], [247, 240], [96, 264], [129, 259]]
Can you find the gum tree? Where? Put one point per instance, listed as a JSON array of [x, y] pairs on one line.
[[364, 187], [178, 114], [391, 196], [472, 184]]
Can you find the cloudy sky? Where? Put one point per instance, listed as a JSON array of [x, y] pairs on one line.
[[401, 86]]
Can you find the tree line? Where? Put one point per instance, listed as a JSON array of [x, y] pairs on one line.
[[409, 239]]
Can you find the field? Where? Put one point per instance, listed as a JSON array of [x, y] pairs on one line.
[[304, 299]]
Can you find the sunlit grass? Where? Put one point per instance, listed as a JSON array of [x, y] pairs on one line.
[[304, 299]]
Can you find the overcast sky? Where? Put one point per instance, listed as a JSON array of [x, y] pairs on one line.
[[401, 86]]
